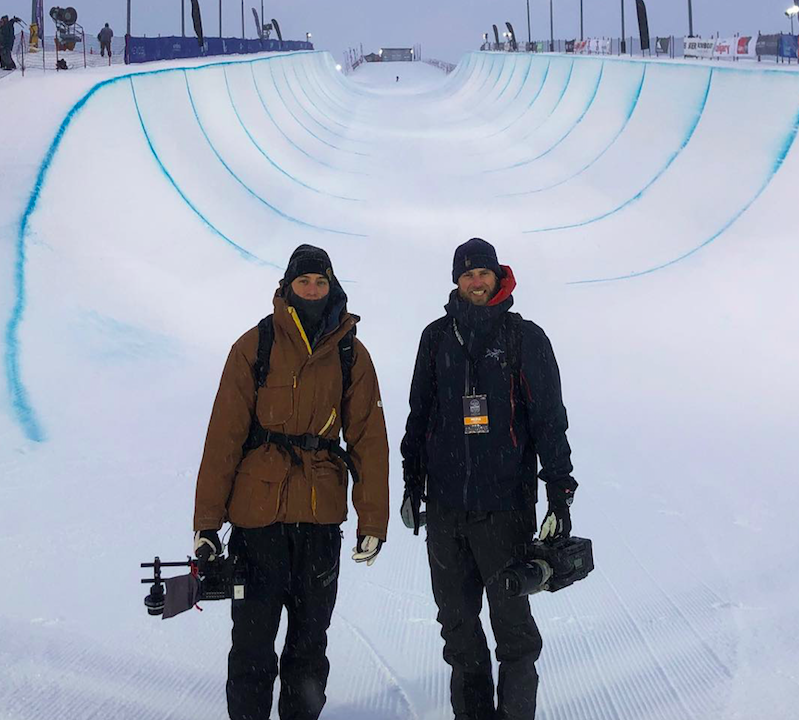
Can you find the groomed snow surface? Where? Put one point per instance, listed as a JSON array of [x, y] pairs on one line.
[[648, 210]]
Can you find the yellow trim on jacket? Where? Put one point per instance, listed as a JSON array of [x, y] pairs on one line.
[[297, 322]]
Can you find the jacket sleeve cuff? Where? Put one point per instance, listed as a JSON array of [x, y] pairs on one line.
[[377, 532]]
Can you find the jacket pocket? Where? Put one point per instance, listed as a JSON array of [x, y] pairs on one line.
[[257, 490], [276, 399], [328, 492]]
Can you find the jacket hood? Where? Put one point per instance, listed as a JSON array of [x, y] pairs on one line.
[[480, 319]]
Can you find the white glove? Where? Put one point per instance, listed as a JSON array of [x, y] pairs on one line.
[[367, 549]]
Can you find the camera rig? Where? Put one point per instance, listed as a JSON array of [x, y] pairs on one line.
[[549, 565], [219, 579]]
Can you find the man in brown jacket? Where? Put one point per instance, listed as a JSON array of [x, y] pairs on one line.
[[273, 468]]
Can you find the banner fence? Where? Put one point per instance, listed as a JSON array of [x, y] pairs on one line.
[[141, 49]]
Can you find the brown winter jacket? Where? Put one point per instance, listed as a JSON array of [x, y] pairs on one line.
[[302, 394]]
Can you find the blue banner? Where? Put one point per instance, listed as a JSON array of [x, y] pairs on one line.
[[789, 46], [143, 49]]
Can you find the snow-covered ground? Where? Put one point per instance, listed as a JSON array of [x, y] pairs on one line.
[[648, 210]]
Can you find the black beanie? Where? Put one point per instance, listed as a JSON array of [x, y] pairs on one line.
[[308, 259], [475, 253]]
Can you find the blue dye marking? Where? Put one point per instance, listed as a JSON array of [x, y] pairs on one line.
[[557, 104], [266, 155], [657, 176], [633, 105], [571, 129], [246, 254], [267, 204], [300, 123], [530, 104], [22, 408], [778, 162], [316, 105], [305, 110]]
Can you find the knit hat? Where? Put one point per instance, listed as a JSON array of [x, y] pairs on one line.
[[475, 253], [308, 259]]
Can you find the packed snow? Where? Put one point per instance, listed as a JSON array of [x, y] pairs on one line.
[[648, 211]]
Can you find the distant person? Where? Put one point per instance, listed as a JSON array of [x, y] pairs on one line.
[[397, 80], [104, 36], [274, 468], [7, 43]]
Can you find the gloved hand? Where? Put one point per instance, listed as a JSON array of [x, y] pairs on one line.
[[367, 549], [557, 522], [410, 512], [207, 545]]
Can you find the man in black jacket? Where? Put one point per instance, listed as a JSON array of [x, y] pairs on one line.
[[485, 408]]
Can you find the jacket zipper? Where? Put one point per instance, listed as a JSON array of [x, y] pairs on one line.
[[468, 452]]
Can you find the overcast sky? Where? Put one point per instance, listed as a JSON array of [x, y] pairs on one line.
[[445, 28]]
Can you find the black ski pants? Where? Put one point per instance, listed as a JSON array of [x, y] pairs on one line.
[[465, 551], [296, 567]]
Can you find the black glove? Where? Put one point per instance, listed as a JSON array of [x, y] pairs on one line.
[[207, 545], [411, 513], [557, 522]]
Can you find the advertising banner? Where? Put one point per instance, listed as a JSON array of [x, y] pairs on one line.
[[745, 47], [768, 45], [663, 46], [725, 48], [141, 49], [789, 47], [699, 48]]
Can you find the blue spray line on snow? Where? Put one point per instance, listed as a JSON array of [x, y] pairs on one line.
[[317, 103], [529, 105], [264, 202], [573, 127], [633, 105], [646, 187], [778, 162], [245, 254], [283, 132], [303, 125], [544, 121], [280, 129], [330, 98], [305, 111], [21, 406], [521, 163], [266, 155]]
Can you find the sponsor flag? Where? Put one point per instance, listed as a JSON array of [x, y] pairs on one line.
[[643, 24], [198, 21], [277, 30], [513, 43]]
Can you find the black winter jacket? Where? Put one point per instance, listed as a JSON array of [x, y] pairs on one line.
[[527, 420]]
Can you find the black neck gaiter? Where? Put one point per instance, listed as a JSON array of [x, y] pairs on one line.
[[311, 313]]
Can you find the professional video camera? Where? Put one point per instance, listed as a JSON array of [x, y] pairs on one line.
[[219, 579], [547, 565]]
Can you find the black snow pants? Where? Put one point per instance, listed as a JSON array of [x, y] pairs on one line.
[[295, 566], [465, 551]]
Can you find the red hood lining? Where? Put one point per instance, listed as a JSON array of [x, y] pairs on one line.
[[506, 286]]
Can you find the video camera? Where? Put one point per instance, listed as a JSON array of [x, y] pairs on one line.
[[219, 579], [550, 565]]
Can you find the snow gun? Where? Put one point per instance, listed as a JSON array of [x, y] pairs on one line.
[[219, 579], [549, 565]]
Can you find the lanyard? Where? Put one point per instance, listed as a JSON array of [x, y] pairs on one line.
[[472, 378]]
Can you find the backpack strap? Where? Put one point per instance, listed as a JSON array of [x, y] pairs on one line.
[[513, 335], [266, 336], [346, 352]]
